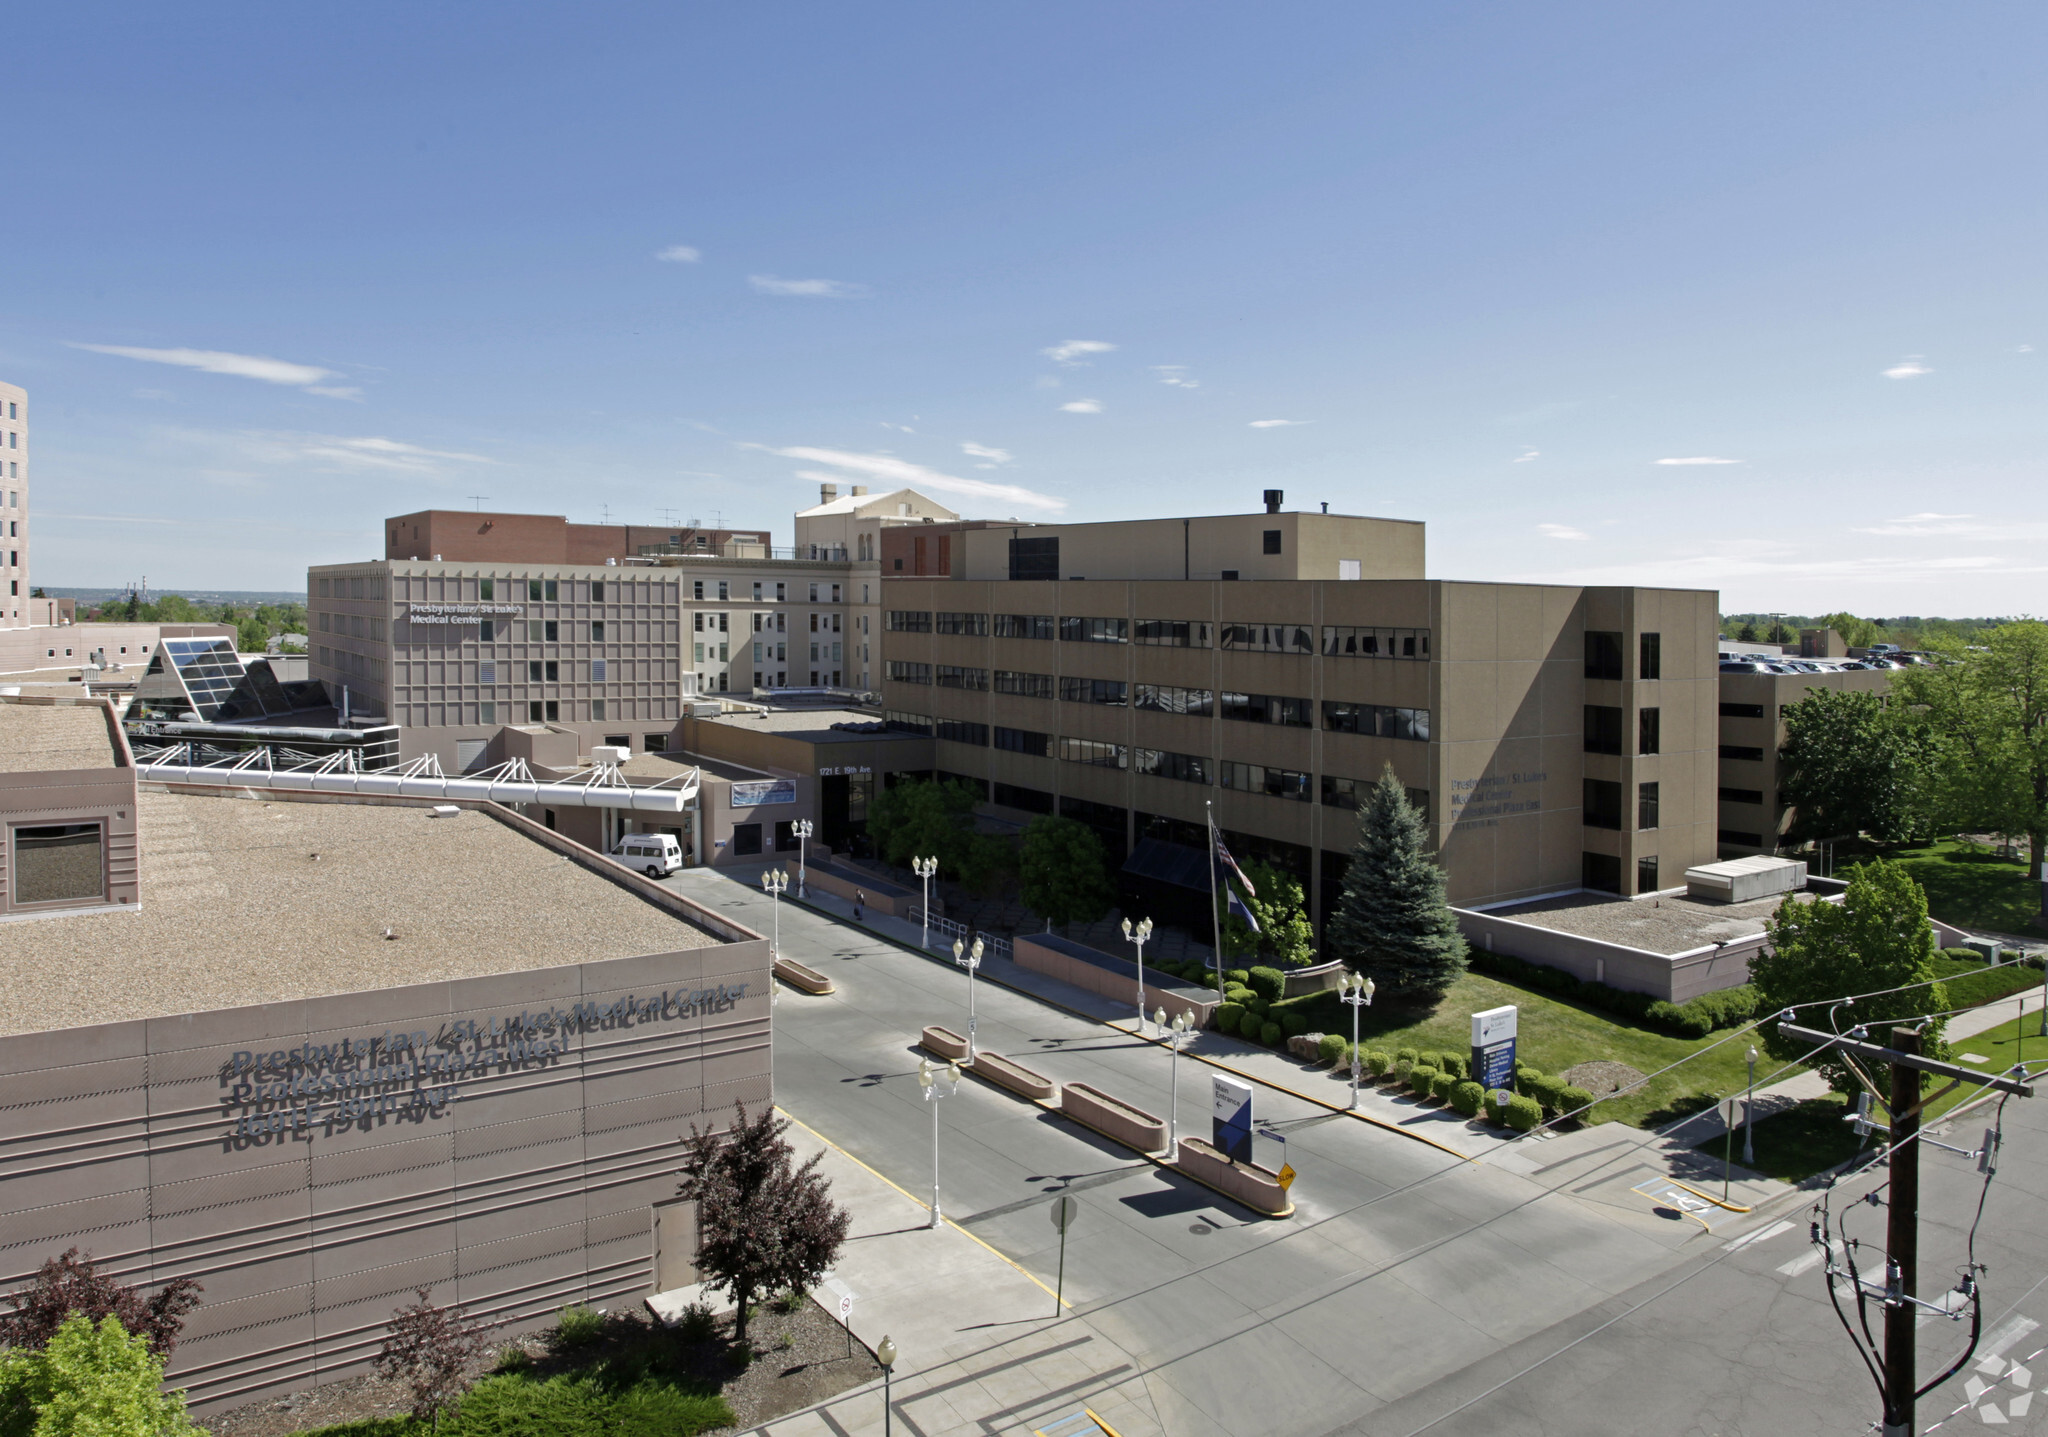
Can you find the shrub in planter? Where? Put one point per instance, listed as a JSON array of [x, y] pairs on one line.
[[1376, 1063], [1419, 1079], [1547, 1090], [1443, 1085], [1523, 1113], [1332, 1048], [1238, 993], [1400, 1070], [1227, 1016], [1271, 1034], [1212, 981], [1496, 1106], [1268, 983], [1574, 1100], [1406, 1054], [1237, 975], [1455, 1064], [1293, 1024], [1466, 1097]]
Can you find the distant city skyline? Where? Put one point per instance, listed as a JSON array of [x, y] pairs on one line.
[[1602, 294]]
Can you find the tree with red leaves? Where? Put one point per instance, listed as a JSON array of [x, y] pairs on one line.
[[432, 1349], [764, 1224], [74, 1283]]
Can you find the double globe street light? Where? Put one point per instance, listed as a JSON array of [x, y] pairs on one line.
[[1178, 1036], [936, 1085], [924, 868], [1354, 990], [801, 830], [970, 959], [1138, 935]]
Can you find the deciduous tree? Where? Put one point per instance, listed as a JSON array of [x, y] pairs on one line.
[[1847, 768], [931, 819], [73, 1282], [764, 1222], [1286, 938], [1064, 871], [1393, 921], [89, 1380], [1876, 939], [432, 1349]]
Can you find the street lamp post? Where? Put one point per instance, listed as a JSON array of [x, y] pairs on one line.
[[886, 1355], [1177, 1037], [1138, 935], [1749, 1114], [970, 959], [936, 1086], [924, 868], [802, 829], [773, 882], [1354, 990]]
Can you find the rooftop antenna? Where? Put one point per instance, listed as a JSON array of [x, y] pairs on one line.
[[668, 516], [718, 518], [478, 500], [607, 512]]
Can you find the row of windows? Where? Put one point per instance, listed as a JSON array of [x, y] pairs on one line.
[[344, 662], [359, 586], [1023, 686], [1338, 641], [1604, 725], [506, 589], [1602, 804], [1604, 650], [1373, 720], [1377, 720], [956, 676], [821, 593]]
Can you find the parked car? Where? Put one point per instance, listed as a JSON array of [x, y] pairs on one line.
[[655, 854]]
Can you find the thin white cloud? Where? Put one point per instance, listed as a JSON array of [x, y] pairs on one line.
[[269, 449], [1561, 531], [1908, 368], [680, 254], [1525, 458], [1070, 351], [1046, 381], [241, 366], [1915, 518], [2024, 349], [1083, 406], [1700, 459], [1278, 423], [1176, 375], [807, 288], [983, 451], [899, 428], [1787, 563], [892, 470], [334, 391]]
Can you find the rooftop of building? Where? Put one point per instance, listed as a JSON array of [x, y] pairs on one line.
[[55, 733], [859, 499], [819, 725], [1666, 923], [238, 909], [673, 764]]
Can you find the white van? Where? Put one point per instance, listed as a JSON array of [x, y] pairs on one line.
[[655, 854]]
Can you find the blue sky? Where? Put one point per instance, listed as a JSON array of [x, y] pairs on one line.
[[271, 274]]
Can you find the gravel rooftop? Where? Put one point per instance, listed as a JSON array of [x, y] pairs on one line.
[[236, 910], [54, 738], [1668, 924]]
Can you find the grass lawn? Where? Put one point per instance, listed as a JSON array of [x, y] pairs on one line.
[[1555, 1035], [1973, 888], [1800, 1142]]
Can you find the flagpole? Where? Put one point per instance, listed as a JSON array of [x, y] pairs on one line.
[[1215, 913]]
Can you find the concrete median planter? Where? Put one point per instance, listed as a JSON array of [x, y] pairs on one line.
[[944, 1043], [1133, 1127], [1256, 1187], [1014, 1076], [810, 980]]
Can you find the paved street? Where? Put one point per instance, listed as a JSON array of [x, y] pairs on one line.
[[1403, 1267]]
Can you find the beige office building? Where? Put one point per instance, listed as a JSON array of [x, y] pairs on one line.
[[1754, 816], [1129, 674], [15, 610]]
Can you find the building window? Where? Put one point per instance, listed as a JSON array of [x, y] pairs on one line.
[[1099, 755], [487, 672], [1602, 808], [1650, 663], [1742, 795], [1742, 710], [1257, 778], [901, 621], [1646, 874], [1736, 750], [1600, 872], [654, 743], [597, 708], [59, 863], [1603, 656], [697, 589], [597, 591], [902, 671], [1172, 633], [619, 740], [1031, 800], [1348, 642], [487, 713], [533, 711], [486, 631], [1649, 730], [1094, 691], [1267, 708], [724, 589], [1095, 631], [1376, 720], [1024, 740], [961, 731], [486, 588], [554, 710], [1166, 699], [957, 676], [1603, 729], [1270, 638], [1646, 805], [1035, 558], [1186, 767], [1022, 685], [971, 624], [1022, 626], [1272, 538], [597, 631], [746, 838], [907, 722], [597, 671]]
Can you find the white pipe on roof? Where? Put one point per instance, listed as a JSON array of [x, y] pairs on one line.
[[420, 785]]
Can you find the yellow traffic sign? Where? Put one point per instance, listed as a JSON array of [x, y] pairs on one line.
[[1286, 1176]]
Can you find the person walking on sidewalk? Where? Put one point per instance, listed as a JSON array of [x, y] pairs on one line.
[[860, 901]]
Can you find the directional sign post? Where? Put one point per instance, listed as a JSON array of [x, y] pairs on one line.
[[1063, 1209]]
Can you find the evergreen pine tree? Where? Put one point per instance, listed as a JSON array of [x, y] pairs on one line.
[[1393, 922]]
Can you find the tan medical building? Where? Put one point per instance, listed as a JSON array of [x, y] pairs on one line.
[[1754, 816], [1127, 673]]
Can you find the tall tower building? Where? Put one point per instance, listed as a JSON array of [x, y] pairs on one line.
[[14, 585]]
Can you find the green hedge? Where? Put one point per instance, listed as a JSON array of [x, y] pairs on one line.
[[1293, 1024], [1376, 1063], [1466, 1098], [1443, 1085], [1523, 1113], [1331, 1049], [1271, 1034], [1236, 975], [1227, 1017], [1268, 983], [1970, 981], [1573, 1099], [1407, 1055], [1419, 1079], [1729, 1008]]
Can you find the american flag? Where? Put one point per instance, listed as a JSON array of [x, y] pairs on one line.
[[1223, 855]]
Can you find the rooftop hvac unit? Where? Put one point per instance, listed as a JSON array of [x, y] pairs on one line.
[[609, 753]]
